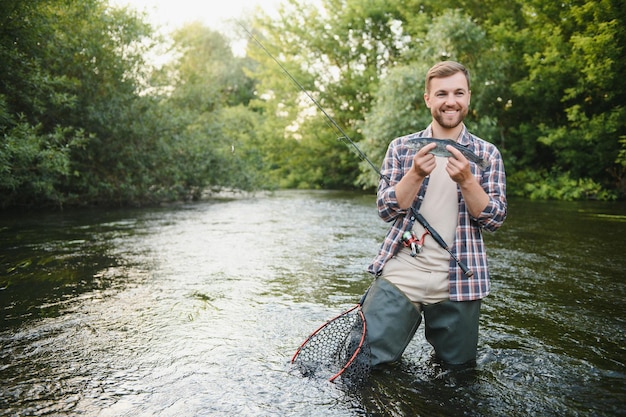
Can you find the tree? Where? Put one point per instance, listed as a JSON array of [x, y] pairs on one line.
[[69, 102], [337, 57], [86, 119], [209, 92], [572, 93], [546, 79]]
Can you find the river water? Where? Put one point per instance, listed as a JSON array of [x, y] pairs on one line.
[[196, 310]]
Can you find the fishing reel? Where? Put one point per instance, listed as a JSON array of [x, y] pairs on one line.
[[410, 240]]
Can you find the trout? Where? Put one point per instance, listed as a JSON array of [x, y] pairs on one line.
[[440, 149]]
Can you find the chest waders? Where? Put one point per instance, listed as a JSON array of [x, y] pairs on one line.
[[451, 327], [392, 320]]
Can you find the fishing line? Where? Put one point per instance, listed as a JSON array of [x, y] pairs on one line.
[[364, 157], [344, 135]]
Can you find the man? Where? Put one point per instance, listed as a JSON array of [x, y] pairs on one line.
[[459, 200]]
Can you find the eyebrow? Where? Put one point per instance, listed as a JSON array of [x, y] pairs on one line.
[[456, 90]]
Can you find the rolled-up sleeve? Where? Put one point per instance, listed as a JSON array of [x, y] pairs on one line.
[[394, 167], [494, 183]]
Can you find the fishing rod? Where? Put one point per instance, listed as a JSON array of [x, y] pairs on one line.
[[418, 216]]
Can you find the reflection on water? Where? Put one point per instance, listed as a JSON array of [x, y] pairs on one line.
[[197, 310]]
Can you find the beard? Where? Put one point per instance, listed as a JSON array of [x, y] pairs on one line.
[[447, 122]]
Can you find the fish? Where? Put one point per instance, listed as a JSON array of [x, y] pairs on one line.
[[440, 150]]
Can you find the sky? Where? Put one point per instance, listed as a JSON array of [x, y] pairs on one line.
[[213, 13]]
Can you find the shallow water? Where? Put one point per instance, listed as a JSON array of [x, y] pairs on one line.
[[197, 310]]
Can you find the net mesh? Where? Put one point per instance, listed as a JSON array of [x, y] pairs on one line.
[[331, 348]]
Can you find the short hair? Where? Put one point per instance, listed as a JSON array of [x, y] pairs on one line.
[[445, 69]]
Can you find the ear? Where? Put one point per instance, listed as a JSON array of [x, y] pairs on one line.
[[427, 100]]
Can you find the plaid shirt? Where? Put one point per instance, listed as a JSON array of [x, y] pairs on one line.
[[468, 243]]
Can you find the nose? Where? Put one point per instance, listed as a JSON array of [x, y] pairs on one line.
[[450, 99]]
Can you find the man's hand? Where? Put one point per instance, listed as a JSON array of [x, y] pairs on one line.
[[458, 167], [424, 162], [476, 199], [408, 187]]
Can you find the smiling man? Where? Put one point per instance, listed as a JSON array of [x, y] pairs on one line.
[[459, 200]]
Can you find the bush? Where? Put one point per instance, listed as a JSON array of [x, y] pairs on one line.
[[544, 185]]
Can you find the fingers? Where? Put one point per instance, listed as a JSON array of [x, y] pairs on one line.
[[455, 152], [424, 150], [458, 159], [423, 161], [458, 166]]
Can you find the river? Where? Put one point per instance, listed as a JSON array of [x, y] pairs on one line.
[[197, 309]]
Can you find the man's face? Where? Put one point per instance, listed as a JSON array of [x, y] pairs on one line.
[[448, 100]]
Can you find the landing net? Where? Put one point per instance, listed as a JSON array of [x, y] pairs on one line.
[[338, 350]]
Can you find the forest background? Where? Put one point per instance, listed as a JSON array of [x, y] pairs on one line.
[[97, 107]]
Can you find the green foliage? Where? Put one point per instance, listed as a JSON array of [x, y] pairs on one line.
[[546, 185], [399, 109], [207, 75], [547, 84], [86, 118], [337, 57], [36, 165], [572, 93]]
